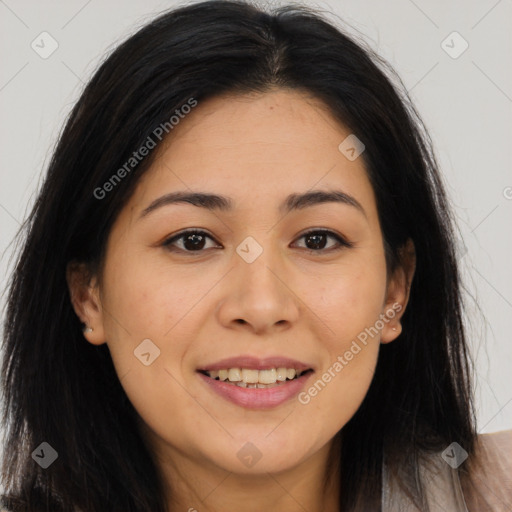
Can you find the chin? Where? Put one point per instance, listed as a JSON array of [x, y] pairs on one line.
[[259, 456]]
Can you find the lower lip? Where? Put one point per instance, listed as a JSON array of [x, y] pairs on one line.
[[257, 398]]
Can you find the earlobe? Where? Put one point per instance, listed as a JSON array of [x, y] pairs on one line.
[[392, 326], [86, 301]]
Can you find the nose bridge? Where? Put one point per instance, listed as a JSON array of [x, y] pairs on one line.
[[260, 265], [259, 294]]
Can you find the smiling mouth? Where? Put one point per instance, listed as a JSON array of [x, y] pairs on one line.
[[255, 379]]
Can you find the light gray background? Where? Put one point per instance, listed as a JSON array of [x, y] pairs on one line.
[[466, 103]]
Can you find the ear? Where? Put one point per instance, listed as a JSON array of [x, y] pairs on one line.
[[85, 298], [397, 293]]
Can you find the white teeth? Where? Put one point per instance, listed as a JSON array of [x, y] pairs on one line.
[[253, 378], [290, 373], [281, 374], [267, 376], [234, 375], [250, 376]]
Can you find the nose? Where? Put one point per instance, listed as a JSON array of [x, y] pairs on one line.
[[259, 296]]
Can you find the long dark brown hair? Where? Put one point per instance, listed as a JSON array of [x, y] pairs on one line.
[[64, 391]]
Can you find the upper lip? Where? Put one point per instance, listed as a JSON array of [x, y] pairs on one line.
[[256, 363]]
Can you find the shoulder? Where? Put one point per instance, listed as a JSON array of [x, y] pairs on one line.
[[445, 480], [490, 484], [495, 441]]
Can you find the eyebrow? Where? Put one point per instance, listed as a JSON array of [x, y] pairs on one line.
[[217, 202]]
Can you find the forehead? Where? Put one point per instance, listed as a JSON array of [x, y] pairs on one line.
[[255, 146]]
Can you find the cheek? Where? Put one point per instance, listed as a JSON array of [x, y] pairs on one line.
[[334, 395], [350, 302], [148, 299], [143, 303], [350, 306], [138, 305], [339, 388]]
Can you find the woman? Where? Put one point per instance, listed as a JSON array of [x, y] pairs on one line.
[[239, 288]]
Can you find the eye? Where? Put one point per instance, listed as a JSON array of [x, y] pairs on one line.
[[317, 239], [193, 241]]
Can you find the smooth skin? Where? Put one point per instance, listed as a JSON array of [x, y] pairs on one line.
[[202, 305]]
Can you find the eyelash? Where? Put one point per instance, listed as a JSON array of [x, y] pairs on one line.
[[343, 243]]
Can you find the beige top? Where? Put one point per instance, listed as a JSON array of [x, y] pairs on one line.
[[491, 491]]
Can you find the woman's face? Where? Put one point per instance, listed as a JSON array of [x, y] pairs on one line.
[[254, 287]]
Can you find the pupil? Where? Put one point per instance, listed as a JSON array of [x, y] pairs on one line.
[[196, 238], [316, 242]]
